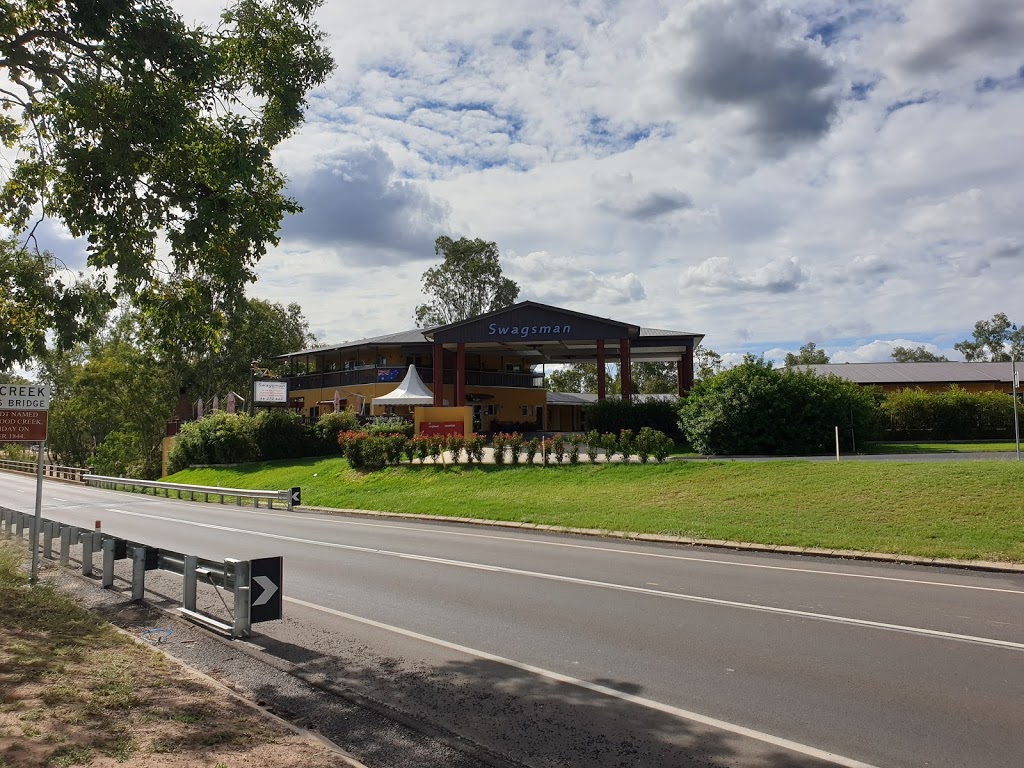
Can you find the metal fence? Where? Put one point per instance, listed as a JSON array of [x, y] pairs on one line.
[[231, 575], [288, 498], [56, 471]]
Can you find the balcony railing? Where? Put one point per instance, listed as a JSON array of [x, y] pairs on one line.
[[332, 379]]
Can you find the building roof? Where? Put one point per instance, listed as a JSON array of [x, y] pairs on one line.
[[909, 374]]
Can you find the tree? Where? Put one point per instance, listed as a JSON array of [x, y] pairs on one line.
[[916, 354], [994, 341], [581, 377], [34, 302], [652, 378], [469, 282], [708, 362], [135, 130], [809, 355]]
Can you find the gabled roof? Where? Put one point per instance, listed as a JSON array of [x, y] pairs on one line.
[[910, 374]]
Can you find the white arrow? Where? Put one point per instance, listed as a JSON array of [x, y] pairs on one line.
[[269, 588]]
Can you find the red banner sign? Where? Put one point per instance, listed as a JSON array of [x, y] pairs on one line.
[[443, 428], [23, 426]]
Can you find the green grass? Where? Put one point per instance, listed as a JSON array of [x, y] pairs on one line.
[[973, 447], [969, 510]]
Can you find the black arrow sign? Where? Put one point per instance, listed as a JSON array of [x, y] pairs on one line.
[[296, 496], [265, 589]]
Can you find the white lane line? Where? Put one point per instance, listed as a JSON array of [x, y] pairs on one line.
[[662, 555], [607, 585], [739, 730]]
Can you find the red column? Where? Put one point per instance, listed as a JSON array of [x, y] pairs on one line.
[[686, 372], [625, 370], [600, 370], [438, 374], [460, 375]]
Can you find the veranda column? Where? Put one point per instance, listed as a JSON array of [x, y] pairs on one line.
[[686, 372], [625, 370], [460, 375], [438, 374], [600, 370]]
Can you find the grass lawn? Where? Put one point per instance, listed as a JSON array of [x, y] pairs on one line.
[[975, 447], [969, 510]]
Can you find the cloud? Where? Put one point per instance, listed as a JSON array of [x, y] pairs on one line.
[[880, 351], [939, 35], [720, 275], [650, 205], [576, 285], [742, 55], [356, 199]]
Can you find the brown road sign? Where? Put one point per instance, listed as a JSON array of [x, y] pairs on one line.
[[23, 426]]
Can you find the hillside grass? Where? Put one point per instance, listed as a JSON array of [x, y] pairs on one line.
[[966, 510]]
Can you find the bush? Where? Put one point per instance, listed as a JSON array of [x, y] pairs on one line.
[[532, 446], [324, 434], [956, 414], [389, 425], [515, 444], [756, 409], [616, 415], [220, 438], [280, 434], [593, 438], [498, 442]]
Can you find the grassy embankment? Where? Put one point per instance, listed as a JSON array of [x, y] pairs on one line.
[[969, 510], [965, 447], [74, 691]]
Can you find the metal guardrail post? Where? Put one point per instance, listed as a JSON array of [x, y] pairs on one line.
[[188, 599], [87, 542], [138, 574], [65, 545], [108, 564], [21, 525], [48, 540], [242, 625]]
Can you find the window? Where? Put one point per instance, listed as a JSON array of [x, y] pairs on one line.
[[349, 365], [511, 368], [525, 410], [382, 361], [492, 410]]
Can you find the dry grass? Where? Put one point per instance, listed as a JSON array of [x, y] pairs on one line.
[[75, 691]]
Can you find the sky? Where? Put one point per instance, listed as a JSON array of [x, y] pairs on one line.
[[767, 174]]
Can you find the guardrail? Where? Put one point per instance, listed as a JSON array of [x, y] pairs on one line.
[[236, 576], [49, 470], [289, 498]]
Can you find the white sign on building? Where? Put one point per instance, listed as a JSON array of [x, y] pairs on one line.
[[271, 392]]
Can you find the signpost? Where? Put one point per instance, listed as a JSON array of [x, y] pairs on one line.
[[24, 416], [266, 579]]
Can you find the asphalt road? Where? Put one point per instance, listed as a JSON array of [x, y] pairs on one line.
[[546, 650]]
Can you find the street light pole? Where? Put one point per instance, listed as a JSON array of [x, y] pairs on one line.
[[253, 368], [1016, 422]]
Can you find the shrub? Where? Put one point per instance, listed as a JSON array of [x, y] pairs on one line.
[[454, 445], [558, 447], [475, 448], [324, 434], [515, 444], [645, 444], [545, 451], [627, 443], [393, 447], [616, 415], [422, 447], [409, 449], [532, 446], [756, 409], [955, 414], [220, 438], [280, 434], [593, 438], [575, 443], [662, 446], [389, 425], [436, 443], [498, 443], [610, 443]]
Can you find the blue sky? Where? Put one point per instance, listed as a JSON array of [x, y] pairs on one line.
[[764, 173]]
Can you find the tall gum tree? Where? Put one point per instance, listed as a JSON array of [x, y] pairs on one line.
[[136, 131]]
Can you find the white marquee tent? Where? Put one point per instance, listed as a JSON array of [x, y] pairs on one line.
[[412, 391]]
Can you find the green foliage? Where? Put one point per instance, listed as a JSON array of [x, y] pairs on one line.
[[131, 126], [994, 341], [707, 362], [532, 446], [616, 415], [280, 434], [390, 425], [220, 438], [328, 427], [809, 355], [580, 377], [499, 442], [593, 440], [35, 301], [916, 354], [956, 414], [755, 409], [469, 282]]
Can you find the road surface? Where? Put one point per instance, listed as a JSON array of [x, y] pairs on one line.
[[546, 650]]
